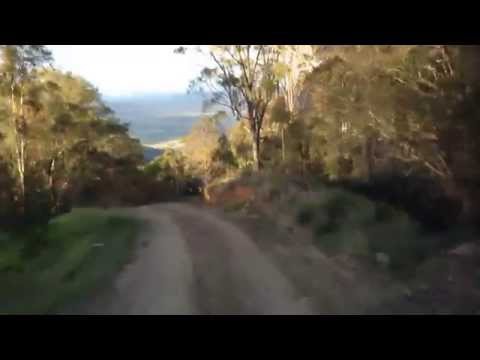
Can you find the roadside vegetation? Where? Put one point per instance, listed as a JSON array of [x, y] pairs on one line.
[[43, 269], [372, 149], [60, 148]]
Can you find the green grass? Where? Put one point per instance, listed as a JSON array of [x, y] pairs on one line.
[[43, 269]]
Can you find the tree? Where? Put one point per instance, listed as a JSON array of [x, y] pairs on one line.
[[280, 115], [242, 80], [18, 68], [294, 64], [360, 96], [223, 154], [405, 110], [70, 129], [171, 166], [241, 143], [73, 139], [202, 142]]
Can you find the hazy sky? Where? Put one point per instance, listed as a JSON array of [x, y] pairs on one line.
[[129, 69]]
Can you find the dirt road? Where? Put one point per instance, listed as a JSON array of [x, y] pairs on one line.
[[191, 261]]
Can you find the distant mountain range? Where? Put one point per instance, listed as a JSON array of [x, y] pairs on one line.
[[156, 118]]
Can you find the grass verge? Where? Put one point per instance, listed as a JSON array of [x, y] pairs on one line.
[[42, 269]]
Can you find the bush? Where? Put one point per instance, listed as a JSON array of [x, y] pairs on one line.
[[38, 208], [424, 198], [325, 225], [399, 239], [342, 221], [306, 214], [384, 212], [10, 256]]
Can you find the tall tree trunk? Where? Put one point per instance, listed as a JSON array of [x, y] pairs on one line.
[[256, 152], [255, 132], [51, 174], [369, 153], [21, 165], [17, 124], [22, 149], [283, 143]]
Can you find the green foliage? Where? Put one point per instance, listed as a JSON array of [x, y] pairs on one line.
[[243, 80], [241, 144], [223, 153], [171, 164], [173, 174], [384, 212], [306, 214], [58, 136], [343, 222], [392, 94], [401, 240], [206, 154], [279, 112], [207, 150]]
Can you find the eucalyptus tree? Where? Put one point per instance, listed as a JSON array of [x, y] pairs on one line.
[[242, 79]]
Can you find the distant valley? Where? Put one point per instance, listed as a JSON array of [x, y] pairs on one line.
[[151, 151], [159, 118]]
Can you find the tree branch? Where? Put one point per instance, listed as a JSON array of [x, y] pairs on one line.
[[227, 87]]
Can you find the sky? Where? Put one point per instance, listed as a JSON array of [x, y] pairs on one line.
[[125, 70]]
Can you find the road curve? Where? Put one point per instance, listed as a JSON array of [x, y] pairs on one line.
[[190, 261]]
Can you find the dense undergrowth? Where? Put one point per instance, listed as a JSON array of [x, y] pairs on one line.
[[344, 221]]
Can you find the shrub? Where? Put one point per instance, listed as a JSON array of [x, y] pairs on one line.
[[10, 256], [38, 207], [346, 222], [399, 239], [306, 214], [384, 212], [325, 225]]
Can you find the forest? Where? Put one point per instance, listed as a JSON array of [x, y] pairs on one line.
[[373, 149], [60, 144], [398, 123]]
